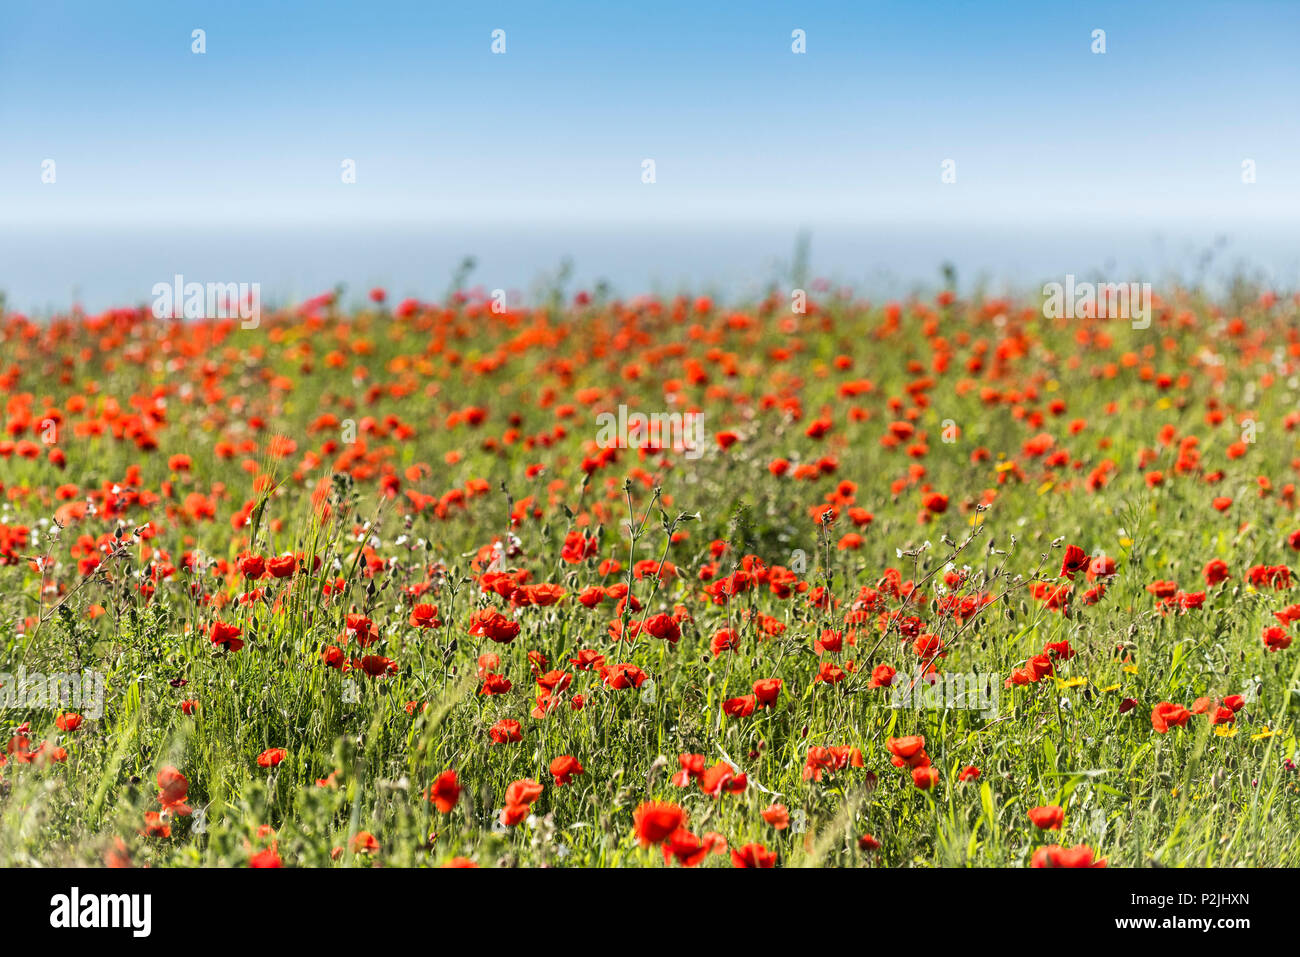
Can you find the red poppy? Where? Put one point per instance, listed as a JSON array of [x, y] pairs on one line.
[[425, 616], [689, 850], [753, 855], [564, 768], [1056, 856], [445, 791], [741, 707], [1276, 639], [925, 777], [656, 820], [767, 690], [1075, 559], [1048, 817], [490, 623], [267, 857], [505, 731], [908, 752], [226, 635], [1166, 715], [271, 757]]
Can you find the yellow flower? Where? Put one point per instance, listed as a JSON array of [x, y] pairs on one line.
[[1225, 730], [1266, 733]]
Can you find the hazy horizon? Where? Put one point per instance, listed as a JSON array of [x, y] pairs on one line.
[[49, 270]]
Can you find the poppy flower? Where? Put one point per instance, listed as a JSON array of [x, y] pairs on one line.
[[271, 757], [491, 624], [363, 842], [935, 503], [588, 660], [226, 635], [692, 766], [505, 731], [777, 815], [822, 761], [523, 791], [620, 677], [445, 791], [767, 690], [831, 642], [267, 857], [1056, 856], [1166, 715], [741, 707], [925, 777], [1103, 566], [1215, 571], [753, 855], [664, 627], [495, 684], [656, 820], [724, 639], [1075, 559], [514, 814], [1276, 639], [425, 616], [564, 768], [907, 751], [830, 673], [155, 826], [882, 676], [282, 566], [722, 778], [690, 850], [172, 790], [377, 666], [1048, 817]]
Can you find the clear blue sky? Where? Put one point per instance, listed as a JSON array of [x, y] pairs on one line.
[[742, 130]]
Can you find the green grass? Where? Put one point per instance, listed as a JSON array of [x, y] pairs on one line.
[[1192, 797]]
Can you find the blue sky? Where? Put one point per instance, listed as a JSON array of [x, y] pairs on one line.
[[153, 142], [740, 128]]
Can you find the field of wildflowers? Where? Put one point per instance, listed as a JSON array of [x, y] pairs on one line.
[[653, 582]]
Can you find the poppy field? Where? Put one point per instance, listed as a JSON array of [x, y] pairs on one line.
[[652, 582]]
